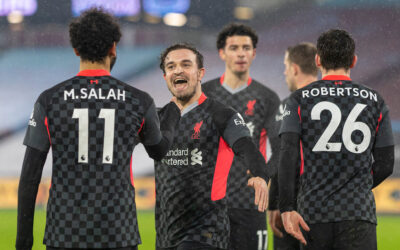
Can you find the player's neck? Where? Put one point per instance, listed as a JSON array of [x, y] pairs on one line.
[[192, 100], [335, 72], [235, 80], [305, 80], [88, 65]]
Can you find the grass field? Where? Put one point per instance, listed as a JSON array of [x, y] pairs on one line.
[[388, 230]]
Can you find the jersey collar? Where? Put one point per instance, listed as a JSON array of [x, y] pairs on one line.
[[221, 80], [202, 98], [93, 72], [336, 78]]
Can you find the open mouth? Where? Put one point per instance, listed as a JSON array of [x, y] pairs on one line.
[[180, 83]]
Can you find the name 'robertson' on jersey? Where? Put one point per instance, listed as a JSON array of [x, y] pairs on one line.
[[340, 91], [94, 93]]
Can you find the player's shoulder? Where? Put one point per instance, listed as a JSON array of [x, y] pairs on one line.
[[264, 91], [134, 92], [220, 112], [46, 95], [211, 84]]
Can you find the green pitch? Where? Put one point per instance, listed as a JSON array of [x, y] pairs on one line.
[[388, 230]]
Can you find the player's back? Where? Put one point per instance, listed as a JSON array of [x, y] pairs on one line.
[[93, 122], [339, 120]]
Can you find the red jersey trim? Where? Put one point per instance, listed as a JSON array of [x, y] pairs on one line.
[[141, 126], [221, 80], [202, 98], [222, 167], [131, 173], [302, 159], [94, 72], [47, 127], [263, 143], [336, 78], [379, 122], [299, 112]]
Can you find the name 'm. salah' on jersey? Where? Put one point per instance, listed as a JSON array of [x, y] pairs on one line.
[[191, 179], [92, 123], [257, 104], [339, 123]]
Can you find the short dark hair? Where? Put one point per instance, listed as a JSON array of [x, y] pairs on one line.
[[336, 48], [235, 29], [303, 54], [93, 33], [177, 46]]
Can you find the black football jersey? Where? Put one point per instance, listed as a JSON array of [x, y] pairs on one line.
[[257, 104], [191, 179], [92, 122], [339, 123]]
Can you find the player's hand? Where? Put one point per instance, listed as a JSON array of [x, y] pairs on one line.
[[292, 222], [261, 192], [174, 100], [275, 221]]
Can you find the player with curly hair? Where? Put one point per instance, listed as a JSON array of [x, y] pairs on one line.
[[92, 122]]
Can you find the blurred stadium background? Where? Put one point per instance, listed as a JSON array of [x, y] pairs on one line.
[[35, 54]]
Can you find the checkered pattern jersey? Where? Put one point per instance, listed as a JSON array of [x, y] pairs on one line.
[[92, 204], [260, 120], [191, 181], [335, 184]]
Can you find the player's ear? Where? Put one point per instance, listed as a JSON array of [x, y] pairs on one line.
[[318, 61], [254, 53], [113, 50], [296, 68], [76, 52], [201, 73], [221, 53], [355, 58]]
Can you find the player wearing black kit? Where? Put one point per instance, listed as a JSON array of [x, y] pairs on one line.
[[92, 123], [191, 212], [342, 133], [300, 70], [257, 104]]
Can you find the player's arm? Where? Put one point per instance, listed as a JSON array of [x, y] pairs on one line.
[[31, 174], [157, 136], [37, 141], [289, 155], [272, 128], [383, 150], [235, 132]]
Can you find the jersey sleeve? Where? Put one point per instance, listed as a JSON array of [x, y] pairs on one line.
[[150, 133], [291, 117], [231, 125], [37, 135], [270, 124], [384, 136]]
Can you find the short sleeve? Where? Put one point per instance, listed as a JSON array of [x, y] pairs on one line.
[[150, 133], [290, 117], [235, 129], [384, 136], [37, 135]]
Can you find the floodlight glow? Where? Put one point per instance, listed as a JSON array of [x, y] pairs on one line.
[[15, 17], [244, 13], [175, 19], [116, 7], [25, 7]]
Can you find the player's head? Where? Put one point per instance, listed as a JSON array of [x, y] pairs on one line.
[[299, 61], [336, 50], [236, 44], [94, 35], [182, 65]]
